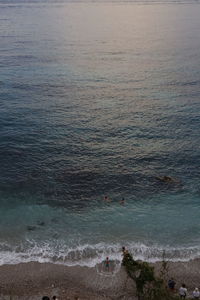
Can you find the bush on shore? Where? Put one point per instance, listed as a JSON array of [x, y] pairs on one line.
[[149, 287]]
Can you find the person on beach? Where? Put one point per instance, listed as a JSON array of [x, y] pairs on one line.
[[54, 298], [107, 264], [45, 298], [124, 251], [171, 284], [183, 291], [196, 293]]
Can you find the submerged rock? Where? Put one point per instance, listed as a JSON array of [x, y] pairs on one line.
[[31, 228], [40, 223], [167, 179]]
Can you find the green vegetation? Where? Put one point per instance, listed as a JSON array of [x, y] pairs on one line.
[[149, 287]]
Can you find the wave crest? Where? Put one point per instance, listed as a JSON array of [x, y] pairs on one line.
[[91, 255]]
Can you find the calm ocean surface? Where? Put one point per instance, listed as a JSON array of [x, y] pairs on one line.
[[98, 99]]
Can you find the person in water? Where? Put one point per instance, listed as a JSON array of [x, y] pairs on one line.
[[107, 264], [122, 202], [124, 251], [107, 199]]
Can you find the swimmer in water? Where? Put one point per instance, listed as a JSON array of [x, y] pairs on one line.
[[122, 202], [107, 199], [107, 264], [124, 251]]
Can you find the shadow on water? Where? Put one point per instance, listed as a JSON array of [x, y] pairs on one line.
[[79, 189]]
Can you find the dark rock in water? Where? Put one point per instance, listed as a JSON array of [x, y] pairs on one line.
[[31, 228], [54, 220], [167, 179], [49, 193], [40, 223], [55, 235]]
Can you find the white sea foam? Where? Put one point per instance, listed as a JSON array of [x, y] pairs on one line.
[[92, 255]]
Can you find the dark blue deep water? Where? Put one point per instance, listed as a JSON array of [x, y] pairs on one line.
[[98, 99]]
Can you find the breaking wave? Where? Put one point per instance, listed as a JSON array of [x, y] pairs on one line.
[[92, 255]]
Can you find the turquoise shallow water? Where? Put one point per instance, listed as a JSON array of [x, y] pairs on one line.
[[98, 99]]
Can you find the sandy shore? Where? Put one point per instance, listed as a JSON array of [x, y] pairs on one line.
[[34, 280]]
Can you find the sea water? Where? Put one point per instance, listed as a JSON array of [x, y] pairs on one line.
[[98, 99]]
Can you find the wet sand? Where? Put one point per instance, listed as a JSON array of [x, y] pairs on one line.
[[34, 280]]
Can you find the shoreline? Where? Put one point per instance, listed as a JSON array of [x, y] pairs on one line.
[[33, 280]]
